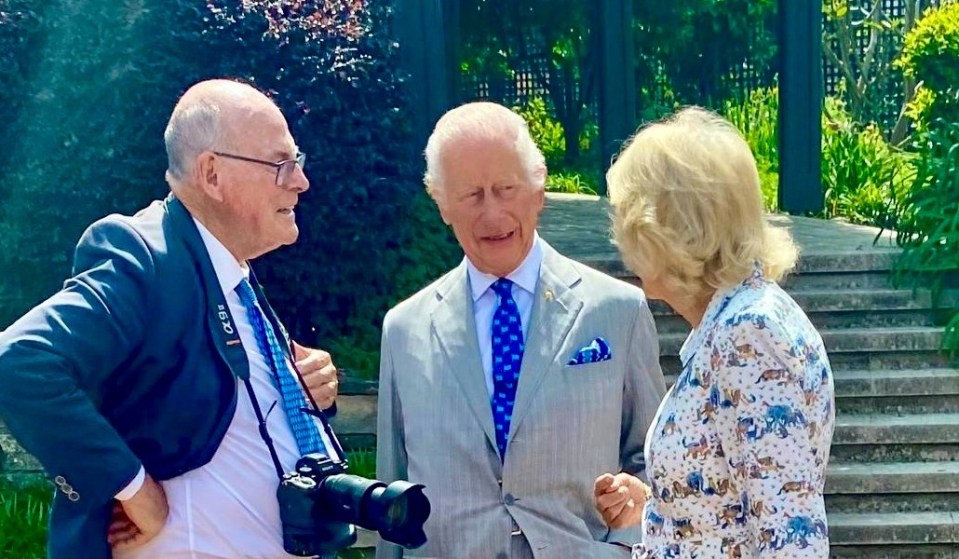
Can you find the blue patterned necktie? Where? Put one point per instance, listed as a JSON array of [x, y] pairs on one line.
[[507, 341], [304, 429]]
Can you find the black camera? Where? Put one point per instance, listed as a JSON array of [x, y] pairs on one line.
[[320, 504]]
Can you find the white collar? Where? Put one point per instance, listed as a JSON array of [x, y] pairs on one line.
[[229, 272], [525, 276]]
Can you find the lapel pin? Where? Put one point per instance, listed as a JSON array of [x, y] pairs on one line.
[[549, 295]]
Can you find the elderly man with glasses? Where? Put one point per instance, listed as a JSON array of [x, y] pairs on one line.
[[157, 388]]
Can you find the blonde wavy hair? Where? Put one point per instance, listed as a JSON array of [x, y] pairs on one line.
[[687, 207]]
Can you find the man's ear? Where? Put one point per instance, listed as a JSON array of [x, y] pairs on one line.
[[206, 175]]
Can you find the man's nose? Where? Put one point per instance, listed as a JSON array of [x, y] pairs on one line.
[[298, 180]]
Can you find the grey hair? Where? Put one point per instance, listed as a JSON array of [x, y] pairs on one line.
[[481, 120], [193, 128]]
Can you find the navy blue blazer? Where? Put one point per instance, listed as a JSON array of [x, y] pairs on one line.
[[127, 364]]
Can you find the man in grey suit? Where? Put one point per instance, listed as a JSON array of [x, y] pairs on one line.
[[518, 388]]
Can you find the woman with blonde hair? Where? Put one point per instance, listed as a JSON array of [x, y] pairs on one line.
[[737, 455]]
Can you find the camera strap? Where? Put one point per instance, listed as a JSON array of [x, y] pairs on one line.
[[231, 349]]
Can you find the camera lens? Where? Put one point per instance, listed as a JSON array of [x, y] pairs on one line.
[[397, 510]]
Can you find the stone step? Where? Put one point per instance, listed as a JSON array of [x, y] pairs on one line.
[[894, 528], [933, 428], [901, 477], [867, 279], [837, 308], [892, 502], [898, 359], [887, 438], [896, 487], [894, 551], [852, 340], [897, 392], [674, 324]]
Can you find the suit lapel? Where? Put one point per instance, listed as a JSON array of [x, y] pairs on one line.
[[455, 328], [220, 324], [555, 308]]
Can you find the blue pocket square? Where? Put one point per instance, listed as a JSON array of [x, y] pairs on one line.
[[597, 350]]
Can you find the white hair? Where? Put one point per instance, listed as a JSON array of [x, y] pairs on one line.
[[193, 128], [481, 120]]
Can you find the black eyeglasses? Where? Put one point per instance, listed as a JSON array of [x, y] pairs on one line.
[[284, 169]]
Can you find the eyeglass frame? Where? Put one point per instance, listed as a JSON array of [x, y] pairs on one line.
[[299, 159]]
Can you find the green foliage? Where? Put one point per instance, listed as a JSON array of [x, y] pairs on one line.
[[23, 519], [572, 182], [928, 231], [545, 129], [362, 462], [687, 50], [929, 56], [576, 177], [756, 117], [89, 142], [500, 38], [864, 178]]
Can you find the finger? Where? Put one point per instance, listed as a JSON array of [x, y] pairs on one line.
[[607, 501], [300, 352], [602, 483], [614, 511], [135, 540], [626, 517], [314, 359], [122, 533], [316, 378]]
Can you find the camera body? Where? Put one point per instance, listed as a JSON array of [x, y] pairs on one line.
[[320, 506]]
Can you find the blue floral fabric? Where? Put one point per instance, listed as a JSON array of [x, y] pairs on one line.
[[737, 454]]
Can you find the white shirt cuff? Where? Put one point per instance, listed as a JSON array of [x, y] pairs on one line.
[[131, 489]]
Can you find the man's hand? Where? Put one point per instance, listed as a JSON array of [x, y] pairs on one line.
[[137, 520], [620, 499], [319, 374]]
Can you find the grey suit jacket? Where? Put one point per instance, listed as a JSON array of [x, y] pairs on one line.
[[570, 423]]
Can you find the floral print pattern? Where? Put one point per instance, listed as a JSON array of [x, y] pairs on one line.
[[737, 454]]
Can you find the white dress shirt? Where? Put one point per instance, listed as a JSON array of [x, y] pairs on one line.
[[228, 508], [524, 280]]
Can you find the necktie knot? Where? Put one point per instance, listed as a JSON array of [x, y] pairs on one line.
[[246, 293], [503, 288]]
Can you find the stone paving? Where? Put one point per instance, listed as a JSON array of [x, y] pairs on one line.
[[579, 227]]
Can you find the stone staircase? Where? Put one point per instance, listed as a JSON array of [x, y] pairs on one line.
[[893, 481]]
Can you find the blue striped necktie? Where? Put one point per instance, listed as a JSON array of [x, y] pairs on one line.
[[507, 342], [304, 428]]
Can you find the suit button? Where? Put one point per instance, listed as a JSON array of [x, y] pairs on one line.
[[73, 496], [59, 480], [66, 488], [509, 499]]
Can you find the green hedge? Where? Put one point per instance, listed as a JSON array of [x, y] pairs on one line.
[[929, 56], [89, 142]]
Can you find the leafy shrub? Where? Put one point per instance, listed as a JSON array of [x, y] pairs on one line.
[[864, 178], [689, 49], [572, 183], [757, 117], [579, 177], [90, 143], [929, 56], [929, 227], [546, 130]]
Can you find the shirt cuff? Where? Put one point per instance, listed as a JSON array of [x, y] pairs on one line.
[[131, 489]]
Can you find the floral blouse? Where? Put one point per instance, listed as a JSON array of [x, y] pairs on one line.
[[737, 454]]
